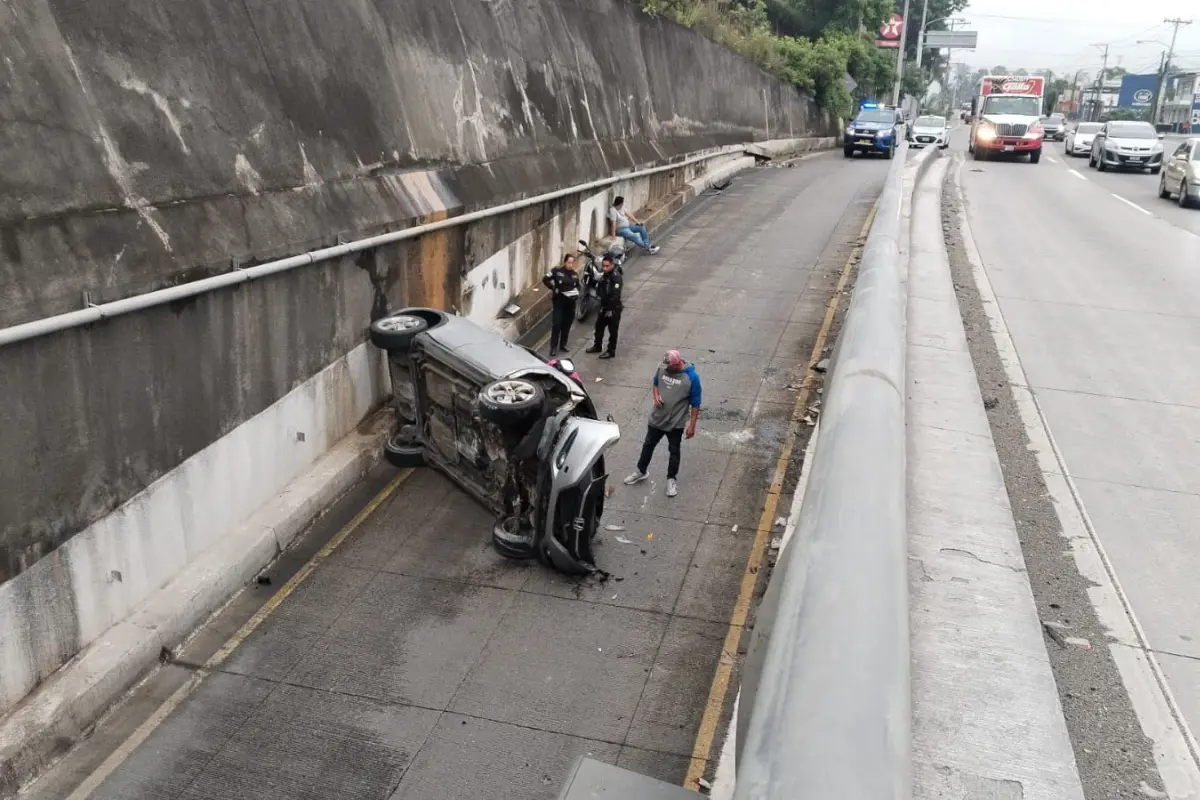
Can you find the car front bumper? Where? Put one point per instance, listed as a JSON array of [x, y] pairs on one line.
[[927, 141], [1132, 161], [866, 143]]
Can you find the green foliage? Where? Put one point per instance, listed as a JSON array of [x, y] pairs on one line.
[[818, 63]]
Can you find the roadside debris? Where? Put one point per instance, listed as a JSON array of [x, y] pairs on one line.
[[614, 528], [705, 785], [734, 528], [781, 522], [776, 543], [1057, 632], [821, 366], [623, 540]]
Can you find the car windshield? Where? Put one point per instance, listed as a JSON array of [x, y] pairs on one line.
[[929, 122], [1088, 127], [1132, 130], [876, 115], [1053, 119], [1009, 104]]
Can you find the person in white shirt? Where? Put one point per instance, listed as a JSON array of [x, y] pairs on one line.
[[622, 223]]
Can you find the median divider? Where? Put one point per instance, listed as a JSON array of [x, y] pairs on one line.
[[825, 706]]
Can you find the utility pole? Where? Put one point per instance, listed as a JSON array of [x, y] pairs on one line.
[[1162, 78], [900, 55], [1098, 100], [921, 33]]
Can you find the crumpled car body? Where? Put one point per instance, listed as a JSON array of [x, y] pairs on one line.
[[515, 433]]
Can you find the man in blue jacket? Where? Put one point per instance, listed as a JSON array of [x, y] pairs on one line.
[[676, 409]]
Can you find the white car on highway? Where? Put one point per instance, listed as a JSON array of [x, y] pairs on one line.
[[1181, 174], [1078, 141], [1127, 145], [932, 131]]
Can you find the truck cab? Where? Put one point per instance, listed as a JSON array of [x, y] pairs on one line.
[[1006, 117]]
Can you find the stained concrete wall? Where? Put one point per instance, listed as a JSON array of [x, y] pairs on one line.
[[145, 143]]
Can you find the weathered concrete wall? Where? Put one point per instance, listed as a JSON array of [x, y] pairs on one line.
[[148, 143]]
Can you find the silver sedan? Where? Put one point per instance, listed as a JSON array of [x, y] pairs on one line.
[[1181, 174], [1078, 141]]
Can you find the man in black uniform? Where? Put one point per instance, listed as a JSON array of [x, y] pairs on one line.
[[563, 282], [609, 290]]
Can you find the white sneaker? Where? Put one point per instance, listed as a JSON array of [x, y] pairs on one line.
[[672, 487], [636, 477], [654, 249]]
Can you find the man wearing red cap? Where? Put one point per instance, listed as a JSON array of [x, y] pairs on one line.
[[676, 408]]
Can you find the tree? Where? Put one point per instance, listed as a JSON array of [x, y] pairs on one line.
[[1112, 73], [811, 18], [1055, 89]]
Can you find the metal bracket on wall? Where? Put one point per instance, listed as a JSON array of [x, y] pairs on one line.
[[87, 299], [236, 263]]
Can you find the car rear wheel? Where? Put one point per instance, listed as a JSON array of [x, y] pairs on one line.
[[402, 451], [1101, 164], [1163, 191], [1185, 199], [511, 401], [395, 332]]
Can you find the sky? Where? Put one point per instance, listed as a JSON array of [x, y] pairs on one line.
[[1059, 35]]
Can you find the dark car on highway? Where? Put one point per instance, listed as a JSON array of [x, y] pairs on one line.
[[514, 432], [874, 129]]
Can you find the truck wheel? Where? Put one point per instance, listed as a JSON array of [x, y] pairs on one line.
[[848, 152], [395, 332], [511, 401], [1035, 156], [401, 451], [891, 153]]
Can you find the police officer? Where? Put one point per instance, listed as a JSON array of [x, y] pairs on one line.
[[563, 282], [609, 318]]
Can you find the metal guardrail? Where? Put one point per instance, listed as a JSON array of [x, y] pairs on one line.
[[825, 704], [96, 312]]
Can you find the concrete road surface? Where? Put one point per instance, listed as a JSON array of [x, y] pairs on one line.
[[1097, 281], [413, 662]]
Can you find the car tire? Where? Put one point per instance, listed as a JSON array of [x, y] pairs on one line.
[[511, 401], [402, 452], [891, 153], [848, 152], [1185, 199], [980, 155], [395, 332], [1155, 170], [1163, 192], [1035, 156], [1101, 164]]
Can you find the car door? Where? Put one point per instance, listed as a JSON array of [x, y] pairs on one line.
[[1177, 166]]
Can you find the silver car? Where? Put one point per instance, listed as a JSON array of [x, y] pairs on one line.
[[514, 432], [1181, 174], [1078, 141], [932, 131], [1127, 145]]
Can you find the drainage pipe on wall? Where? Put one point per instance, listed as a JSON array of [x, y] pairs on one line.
[[97, 312], [825, 704]]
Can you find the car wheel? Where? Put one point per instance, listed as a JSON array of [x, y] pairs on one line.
[[1101, 164], [1035, 156], [1155, 170], [395, 332], [1163, 191], [511, 401], [1185, 200], [848, 152], [980, 155], [401, 451]]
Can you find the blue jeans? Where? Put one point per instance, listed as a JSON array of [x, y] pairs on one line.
[[636, 234]]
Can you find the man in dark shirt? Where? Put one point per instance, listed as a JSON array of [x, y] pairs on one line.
[[609, 318], [563, 283]]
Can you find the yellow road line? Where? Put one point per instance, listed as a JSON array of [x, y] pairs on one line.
[[719, 689], [118, 756]]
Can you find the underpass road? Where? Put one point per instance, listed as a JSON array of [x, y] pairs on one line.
[[1098, 282], [414, 662]]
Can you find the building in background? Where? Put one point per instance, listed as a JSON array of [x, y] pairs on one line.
[[1098, 105], [1181, 102]]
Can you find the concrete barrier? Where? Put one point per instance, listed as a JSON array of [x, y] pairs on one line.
[[825, 702]]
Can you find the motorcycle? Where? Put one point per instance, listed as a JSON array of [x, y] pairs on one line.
[[589, 277], [567, 367]]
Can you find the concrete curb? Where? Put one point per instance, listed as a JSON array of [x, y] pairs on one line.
[[63, 709]]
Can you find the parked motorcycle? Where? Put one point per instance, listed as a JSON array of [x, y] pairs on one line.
[[567, 367], [590, 274]]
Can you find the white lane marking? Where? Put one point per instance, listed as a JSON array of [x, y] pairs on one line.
[[1131, 203], [1052, 159], [1078, 174], [1176, 751]]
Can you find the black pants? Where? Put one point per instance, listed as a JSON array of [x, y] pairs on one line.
[[612, 325], [653, 437], [562, 314]]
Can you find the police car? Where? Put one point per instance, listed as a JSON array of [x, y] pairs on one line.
[[874, 129]]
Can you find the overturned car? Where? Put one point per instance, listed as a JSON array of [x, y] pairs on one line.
[[516, 433]]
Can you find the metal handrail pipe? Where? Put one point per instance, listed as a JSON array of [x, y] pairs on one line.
[[102, 311], [825, 703]]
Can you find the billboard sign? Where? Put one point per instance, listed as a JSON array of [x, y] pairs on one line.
[[1137, 91], [961, 40], [1013, 84], [890, 32]]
